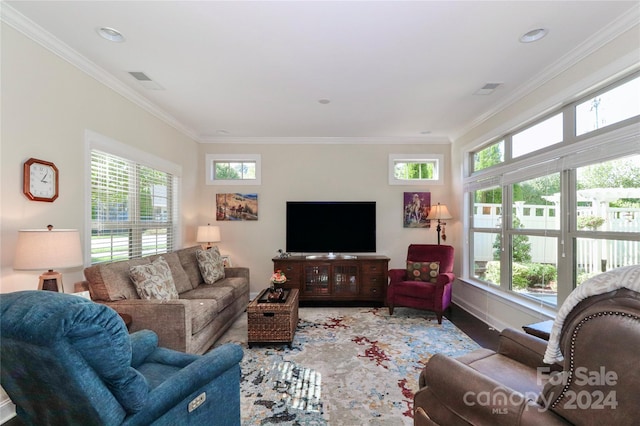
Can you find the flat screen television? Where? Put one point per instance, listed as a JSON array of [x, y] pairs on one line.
[[331, 227]]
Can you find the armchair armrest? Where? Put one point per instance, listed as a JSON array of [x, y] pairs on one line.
[[396, 275], [199, 372], [143, 343], [457, 388], [524, 348], [445, 278]]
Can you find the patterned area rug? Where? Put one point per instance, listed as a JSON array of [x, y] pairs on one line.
[[346, 366]]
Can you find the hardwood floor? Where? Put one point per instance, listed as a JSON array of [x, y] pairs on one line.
[[480, 332]]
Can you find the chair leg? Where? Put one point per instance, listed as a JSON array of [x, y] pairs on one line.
[[390, 309], [439, 315]]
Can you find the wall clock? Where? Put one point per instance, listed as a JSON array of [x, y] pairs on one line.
[[40, 180]]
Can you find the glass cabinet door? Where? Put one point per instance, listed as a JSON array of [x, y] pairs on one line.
[[316, 279], [345, 279]]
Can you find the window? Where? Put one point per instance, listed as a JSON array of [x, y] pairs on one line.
[[538, 136], [240, 169], [490, 156], [608, 108], [607, 216], [134, 210], [542, 224], [411, 169]]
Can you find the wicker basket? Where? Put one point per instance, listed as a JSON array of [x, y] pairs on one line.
[[273, 322]]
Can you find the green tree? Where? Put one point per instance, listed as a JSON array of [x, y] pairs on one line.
[[623, 173], [489, 156], [521, 249], [225, 171]]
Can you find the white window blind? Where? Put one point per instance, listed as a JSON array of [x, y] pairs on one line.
[[133, 209]]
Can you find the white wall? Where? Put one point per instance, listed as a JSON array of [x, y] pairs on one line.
[[46, 106], [311, 172]]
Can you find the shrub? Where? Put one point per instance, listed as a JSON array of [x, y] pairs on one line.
[[524, 275]]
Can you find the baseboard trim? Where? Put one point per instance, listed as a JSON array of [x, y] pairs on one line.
[[7, 411]]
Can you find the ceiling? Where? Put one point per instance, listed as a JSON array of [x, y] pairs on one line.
[[390, 70]]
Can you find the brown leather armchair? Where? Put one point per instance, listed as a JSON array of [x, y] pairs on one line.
[[598, 383]]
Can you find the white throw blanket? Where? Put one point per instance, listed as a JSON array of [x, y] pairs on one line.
[[625, 277]]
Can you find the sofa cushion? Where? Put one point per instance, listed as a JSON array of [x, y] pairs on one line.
[[190, 265], [222, 294], [154, 281], [423, 271], [180, 277], [239, 286], [110, 282], [211, 265]]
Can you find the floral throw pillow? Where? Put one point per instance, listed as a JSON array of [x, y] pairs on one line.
[[154, 280], [211, 264], [423, 271]]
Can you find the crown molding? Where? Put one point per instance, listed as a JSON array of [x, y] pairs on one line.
[[599, 39], [359, 140], [47, 40]]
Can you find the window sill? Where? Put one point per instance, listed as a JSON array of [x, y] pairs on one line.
[[519, 302]]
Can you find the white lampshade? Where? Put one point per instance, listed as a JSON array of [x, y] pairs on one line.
[[39, 249], [208, 234], [439, 212]]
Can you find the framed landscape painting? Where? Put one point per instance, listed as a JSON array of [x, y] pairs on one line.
[[235, 206], [416, 207]]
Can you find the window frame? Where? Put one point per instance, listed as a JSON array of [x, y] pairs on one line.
[[212, 159], [97, 142], [608, 143], [438, 159]]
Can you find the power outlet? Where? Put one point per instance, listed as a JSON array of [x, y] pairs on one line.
[[197, 401]]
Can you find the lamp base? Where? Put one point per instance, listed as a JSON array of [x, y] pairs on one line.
[[51, 281]]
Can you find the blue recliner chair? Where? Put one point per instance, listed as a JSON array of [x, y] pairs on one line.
[[69, 361]]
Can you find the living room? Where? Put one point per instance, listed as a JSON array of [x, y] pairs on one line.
[[52, 109]]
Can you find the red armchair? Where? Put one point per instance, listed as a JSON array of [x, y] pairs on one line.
[[435, 295]]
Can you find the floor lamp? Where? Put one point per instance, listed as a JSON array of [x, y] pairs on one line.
[[440, 213], [39, 249]]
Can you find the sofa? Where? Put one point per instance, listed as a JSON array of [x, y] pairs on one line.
[[192, 321], [586, 374]]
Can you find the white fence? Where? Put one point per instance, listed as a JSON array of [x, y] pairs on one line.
[[590, 253]]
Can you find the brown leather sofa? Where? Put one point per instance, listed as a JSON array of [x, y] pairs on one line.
[[598, 382]]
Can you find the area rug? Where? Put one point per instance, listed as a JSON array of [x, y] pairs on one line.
[[346, 366]]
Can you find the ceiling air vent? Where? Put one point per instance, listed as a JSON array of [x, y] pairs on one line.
[[488, 89], [145, 80]]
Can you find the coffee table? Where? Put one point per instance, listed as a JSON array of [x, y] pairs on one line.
[[273, 322]]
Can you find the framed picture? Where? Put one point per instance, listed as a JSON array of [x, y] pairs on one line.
[[235, 206], [416, 207], [226, 261]]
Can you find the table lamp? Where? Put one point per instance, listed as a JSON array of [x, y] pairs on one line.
[[208, 234], [439, 213], [49, 248]]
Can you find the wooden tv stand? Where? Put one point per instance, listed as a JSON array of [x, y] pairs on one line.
[[324, 278]]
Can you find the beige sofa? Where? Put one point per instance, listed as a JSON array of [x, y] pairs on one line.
[[191, 323]]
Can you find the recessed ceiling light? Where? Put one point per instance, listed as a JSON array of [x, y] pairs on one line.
[[533, 35], [110, 34], [324, 101]]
